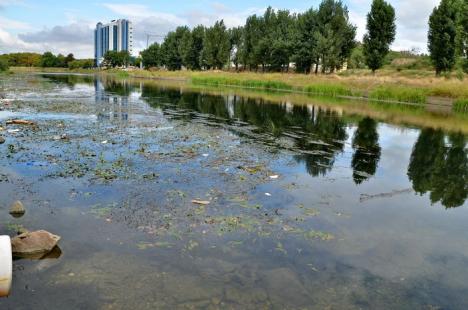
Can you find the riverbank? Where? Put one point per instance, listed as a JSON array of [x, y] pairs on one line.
[[387, 86]]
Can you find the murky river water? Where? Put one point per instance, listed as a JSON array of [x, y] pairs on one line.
[[309, 207]]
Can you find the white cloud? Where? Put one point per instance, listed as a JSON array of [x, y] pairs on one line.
[[7, 23], [74, 38]]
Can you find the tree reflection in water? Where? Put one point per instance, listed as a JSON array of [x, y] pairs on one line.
[[366, 150], [440, 168], [438, 163]]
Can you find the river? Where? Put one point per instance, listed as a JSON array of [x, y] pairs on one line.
[[173, 197]]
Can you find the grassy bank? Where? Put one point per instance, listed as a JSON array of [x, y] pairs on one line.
[[385, 86]]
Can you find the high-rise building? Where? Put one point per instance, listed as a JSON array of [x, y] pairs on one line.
[[114, 36]]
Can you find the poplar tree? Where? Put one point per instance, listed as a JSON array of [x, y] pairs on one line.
[[463, 33], [191, 48], [442, 36], [216, 46], [381, 30]]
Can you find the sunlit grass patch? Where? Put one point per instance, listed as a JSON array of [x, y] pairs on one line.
[[399, 93], [461, 105]]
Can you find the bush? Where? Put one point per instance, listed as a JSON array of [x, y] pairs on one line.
[[3, 65], [81, 64]]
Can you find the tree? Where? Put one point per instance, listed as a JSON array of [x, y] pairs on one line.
[[61, 61], [335, 35], [171, 49], [3, 64], [116, 59], [236, 41], [357, 59], [251, 38], [441, 36], [463, 33], [381, 30], [48, 60], [192, 47], [216, 47], [305, 46], [151, 56], [69, 59], [81, 64]]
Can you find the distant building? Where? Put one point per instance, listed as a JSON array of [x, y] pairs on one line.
[[114, 36]]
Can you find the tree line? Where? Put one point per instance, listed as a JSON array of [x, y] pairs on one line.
[[45, 60], [318, 40]]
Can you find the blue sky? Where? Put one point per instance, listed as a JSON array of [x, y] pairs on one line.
[[66, 26]]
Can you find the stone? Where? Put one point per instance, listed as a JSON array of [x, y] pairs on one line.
[[34, 243], [2, 140], [17, 209]]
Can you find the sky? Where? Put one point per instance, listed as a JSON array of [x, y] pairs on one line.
[[67, 26]]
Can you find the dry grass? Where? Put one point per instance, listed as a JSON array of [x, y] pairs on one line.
[[407, 85], [360, 80]]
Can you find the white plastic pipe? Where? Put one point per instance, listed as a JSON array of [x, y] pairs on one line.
[[6, 266]]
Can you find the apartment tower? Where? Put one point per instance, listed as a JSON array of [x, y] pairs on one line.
[[114, 36]]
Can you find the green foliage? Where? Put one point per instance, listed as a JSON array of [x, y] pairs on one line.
[[116, 59], [215, 53], [49, 60], [381, 31], [151, 56], [400, 93], [81, 64], [462, 34], [441, 36], [357, 59], [271, 42], [23, 59], [332, 90], [69, 59], [236, 44], [171, 49], [258, 84], [305, 54], [192, 47], [335, 35], [3, 65], [461, 105]]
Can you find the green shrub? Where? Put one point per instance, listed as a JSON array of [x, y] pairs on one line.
[[81, 64], [3, 65]]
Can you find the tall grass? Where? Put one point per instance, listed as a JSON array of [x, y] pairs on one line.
[[399, 93], [461, 105], [259, 84], [333, 90]]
